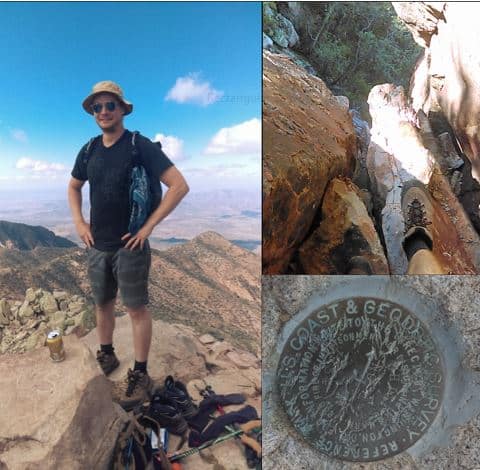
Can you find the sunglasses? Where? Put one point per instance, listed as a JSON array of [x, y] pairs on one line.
[[109, 106]]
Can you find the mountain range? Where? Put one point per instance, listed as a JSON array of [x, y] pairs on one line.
[[27, 237], [207, 283]]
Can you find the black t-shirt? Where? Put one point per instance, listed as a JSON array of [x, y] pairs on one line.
[[108, 170]]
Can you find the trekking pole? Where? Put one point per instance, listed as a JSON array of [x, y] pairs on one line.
[[246, 440], [212, 442], [251, 425]]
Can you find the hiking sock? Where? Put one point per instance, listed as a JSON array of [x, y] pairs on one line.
[[141, 366], [107, 348], [413, 244], [217, 426], [209, 405]]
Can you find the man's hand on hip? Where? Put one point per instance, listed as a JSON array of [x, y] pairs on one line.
[[138, 239], [83, 230]]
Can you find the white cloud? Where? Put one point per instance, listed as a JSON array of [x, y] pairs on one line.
[[19, 134], [244, 138], [172, 146], [39, 166], [191, 89]]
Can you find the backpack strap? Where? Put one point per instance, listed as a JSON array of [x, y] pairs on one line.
[[88, 149], [136, 156]]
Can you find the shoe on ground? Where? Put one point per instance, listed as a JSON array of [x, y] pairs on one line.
[[177, 392], [166, 413], [133, 390], [108, 362], [417, 212]]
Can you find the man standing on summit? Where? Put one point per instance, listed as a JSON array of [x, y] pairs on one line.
[[118, 259]]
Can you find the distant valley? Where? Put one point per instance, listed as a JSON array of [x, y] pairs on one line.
[[237, 219]]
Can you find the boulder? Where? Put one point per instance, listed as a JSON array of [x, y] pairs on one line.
[[25, 311], [307, 140], [30, 295], [345, 231], [421, 18], [267, 43], [75, 307], [48, 304], [60, 295], [447, 79], [362, 131], [5, 312], [35, 339], [343, 102], [279, 28], [207, 339], [68, 422]]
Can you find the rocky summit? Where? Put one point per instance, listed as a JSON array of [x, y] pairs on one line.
[[206, 298], [61, 415], [24, 325]]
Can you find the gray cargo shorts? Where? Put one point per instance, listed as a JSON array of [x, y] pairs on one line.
[[123, 269]]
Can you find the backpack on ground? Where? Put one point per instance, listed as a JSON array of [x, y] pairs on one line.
[[133, 449]]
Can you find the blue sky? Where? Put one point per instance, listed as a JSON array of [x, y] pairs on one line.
[[192, 71]]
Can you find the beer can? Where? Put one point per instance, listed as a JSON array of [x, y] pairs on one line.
[[55, 345]]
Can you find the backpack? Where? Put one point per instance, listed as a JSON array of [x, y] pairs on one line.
[[133, 449], [145, 196]]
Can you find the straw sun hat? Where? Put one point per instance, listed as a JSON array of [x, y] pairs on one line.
[[106, 86]]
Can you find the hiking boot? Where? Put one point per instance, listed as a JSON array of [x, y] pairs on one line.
[[134, 390], [167, 415], [178, 393], [108, 362], [417, 212]]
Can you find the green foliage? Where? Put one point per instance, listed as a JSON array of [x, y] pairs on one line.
[[269, 10], [356, 45]]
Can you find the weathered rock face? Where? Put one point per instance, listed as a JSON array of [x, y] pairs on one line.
[[281, 29], [57, 415], [421, 18], [346, 231], [60, 415], [403, 149], [24, 326], [447, 81], [308, 139]]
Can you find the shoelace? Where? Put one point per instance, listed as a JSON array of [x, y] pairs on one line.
[[416, 215]]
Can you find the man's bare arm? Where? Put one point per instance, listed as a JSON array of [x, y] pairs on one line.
[[177, 189], [75, 201]]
